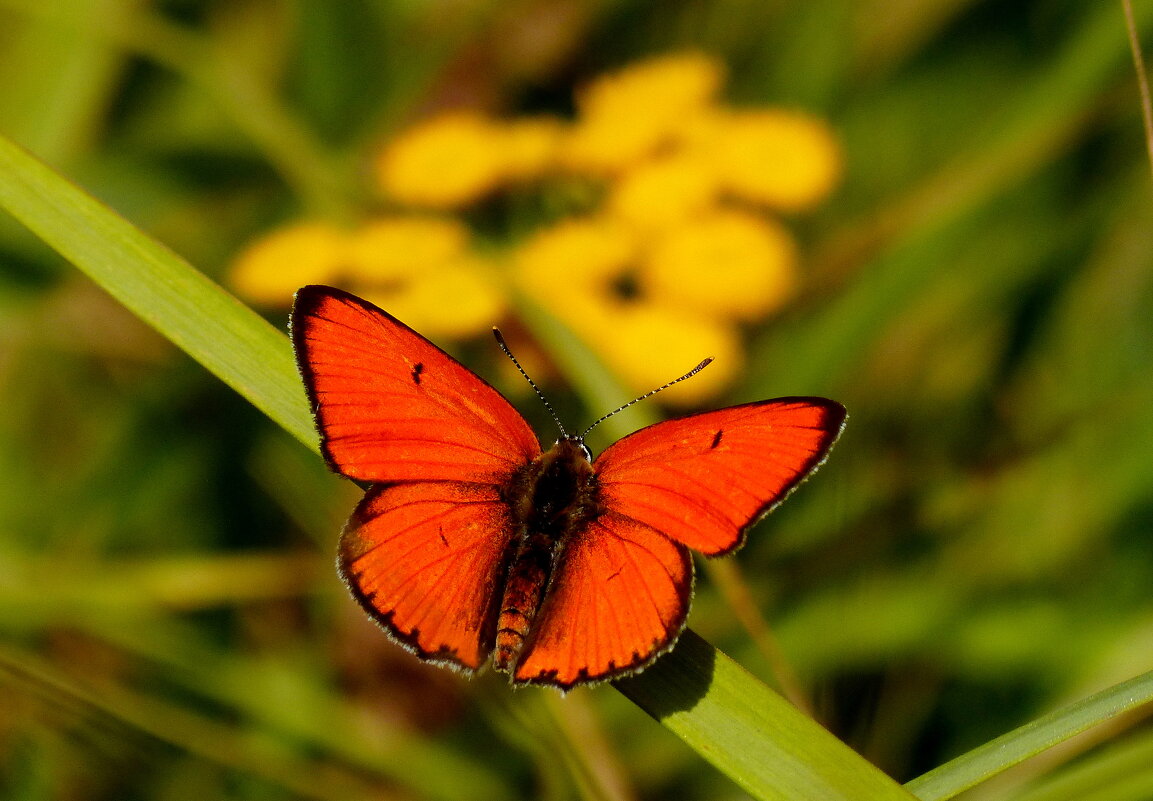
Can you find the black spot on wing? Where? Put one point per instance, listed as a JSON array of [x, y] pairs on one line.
[[716, 439], [417, 369]]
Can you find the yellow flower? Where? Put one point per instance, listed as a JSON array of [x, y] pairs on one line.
[[783, 159], [590, 312], [420, 270], [648, 345], [575, 253], [663, 192], [397, 248], [530, 146], [273, 267], [453, 301], [627, 116], [729, 264], [444, 163]]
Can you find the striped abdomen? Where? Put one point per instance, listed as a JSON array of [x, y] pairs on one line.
[[550, 499]]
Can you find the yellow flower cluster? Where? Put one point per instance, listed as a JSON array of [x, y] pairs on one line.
[[676, 247], [422, 269]]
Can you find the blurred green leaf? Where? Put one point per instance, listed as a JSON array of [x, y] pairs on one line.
[[227, 337], [55, 111], [432, 772], [905, 243], [242, 90]]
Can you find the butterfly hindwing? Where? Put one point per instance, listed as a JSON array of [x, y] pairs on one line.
[[618, 598], [391, 406], [425, 559], [702, 480]]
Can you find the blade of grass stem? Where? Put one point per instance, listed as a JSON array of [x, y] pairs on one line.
[[1016, 746]]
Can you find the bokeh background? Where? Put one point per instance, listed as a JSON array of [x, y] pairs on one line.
[[934, 211]]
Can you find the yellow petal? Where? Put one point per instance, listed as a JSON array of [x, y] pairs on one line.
[[783, 159], [574, 254], [396, 248], [444, 163], [649, 344], [455, 302], [530, 146], [664, 192], [273, 267], [729, 264], [628, 115]]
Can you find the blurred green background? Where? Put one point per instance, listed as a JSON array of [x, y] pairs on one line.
[[978, 292]]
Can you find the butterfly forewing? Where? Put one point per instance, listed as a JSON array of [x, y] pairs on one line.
[[391, 406], [702, 480]]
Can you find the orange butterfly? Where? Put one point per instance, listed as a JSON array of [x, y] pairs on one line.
[[472, 542]]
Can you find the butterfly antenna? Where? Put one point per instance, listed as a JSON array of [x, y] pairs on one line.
[[504, 346], [649, 394]]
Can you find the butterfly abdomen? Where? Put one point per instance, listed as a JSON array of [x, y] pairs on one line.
[[551, 497]]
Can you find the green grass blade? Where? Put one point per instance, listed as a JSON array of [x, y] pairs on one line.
[[734, 721], [1117, 771], [756, 737], [1018, 745], [180, 302]]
